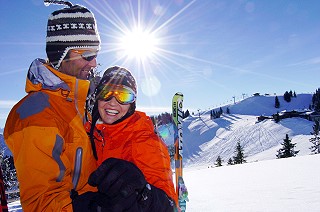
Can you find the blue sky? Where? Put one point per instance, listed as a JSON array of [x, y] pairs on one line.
[[213, 51]]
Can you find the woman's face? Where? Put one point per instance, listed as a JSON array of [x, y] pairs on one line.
[[111, 110]]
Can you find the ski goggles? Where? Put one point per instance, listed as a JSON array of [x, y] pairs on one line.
[[86, 54], [123, 94]]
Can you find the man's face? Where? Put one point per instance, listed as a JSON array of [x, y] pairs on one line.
[[79, 63]]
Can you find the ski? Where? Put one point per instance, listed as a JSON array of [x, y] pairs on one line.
[[177, 116]]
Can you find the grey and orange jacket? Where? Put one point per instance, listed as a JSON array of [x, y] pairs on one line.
[[45, 133], [134, 140]]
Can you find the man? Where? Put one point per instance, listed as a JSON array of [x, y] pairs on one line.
[[44, 131]]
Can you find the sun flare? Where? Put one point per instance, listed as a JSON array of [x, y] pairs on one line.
[[138, 44]]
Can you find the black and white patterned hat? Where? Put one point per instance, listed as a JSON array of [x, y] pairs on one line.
[[70, 28]]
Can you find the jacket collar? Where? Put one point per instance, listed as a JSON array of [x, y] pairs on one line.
[[41, 76]]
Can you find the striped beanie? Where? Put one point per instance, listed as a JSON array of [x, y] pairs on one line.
[[70, 28], [118, 76]]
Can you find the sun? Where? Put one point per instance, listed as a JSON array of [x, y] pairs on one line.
[[138, 44]]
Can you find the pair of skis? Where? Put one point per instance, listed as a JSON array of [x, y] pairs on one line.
[[177, 116]]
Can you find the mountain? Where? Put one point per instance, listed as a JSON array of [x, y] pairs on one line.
[[205, 139], [264, 105]]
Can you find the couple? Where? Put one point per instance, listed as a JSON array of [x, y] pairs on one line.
[[121, 166]]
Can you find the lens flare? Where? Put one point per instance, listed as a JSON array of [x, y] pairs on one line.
[[138, 44]]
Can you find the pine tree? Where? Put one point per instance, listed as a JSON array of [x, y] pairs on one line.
[[217, 114], [287, 149], [287, 96], [218, 161], [276, 102], [212, 114], [186, 114], [276, 117], [316, 101], [230, 161], [228, 110], [315, 148], [239, 158]]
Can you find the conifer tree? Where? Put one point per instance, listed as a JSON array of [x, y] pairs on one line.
[[294, 94], [230, 161], [220, 111], [212, 114], [186, 114], [276, 102], [239, 158], [315, 148], [218, 161], [276, 117], [217, 114], [287, 96], [316, 101], [287, 149]]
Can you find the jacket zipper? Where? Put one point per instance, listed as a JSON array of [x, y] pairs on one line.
[[77, 167]]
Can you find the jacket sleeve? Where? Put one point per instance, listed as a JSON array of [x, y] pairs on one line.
[[152, 157], [44, 178]]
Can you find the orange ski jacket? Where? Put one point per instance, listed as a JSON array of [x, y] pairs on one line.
[[134, 140], [44, 131]]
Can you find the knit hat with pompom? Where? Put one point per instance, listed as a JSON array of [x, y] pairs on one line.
[[73, 27]]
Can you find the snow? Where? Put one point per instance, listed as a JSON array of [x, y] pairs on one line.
[[15, 206], [290, 184], [264, 183]]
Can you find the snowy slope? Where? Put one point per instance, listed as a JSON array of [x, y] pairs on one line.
[[254, 138], [264, 105], [206, 139], [290, 184]]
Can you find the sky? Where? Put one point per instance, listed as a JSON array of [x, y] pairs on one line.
[[213, 51], [264, 183]]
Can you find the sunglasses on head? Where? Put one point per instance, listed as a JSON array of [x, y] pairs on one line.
[[88, 55], [123, 94]]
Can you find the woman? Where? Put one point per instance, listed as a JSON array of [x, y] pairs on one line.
[[134, 171]]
